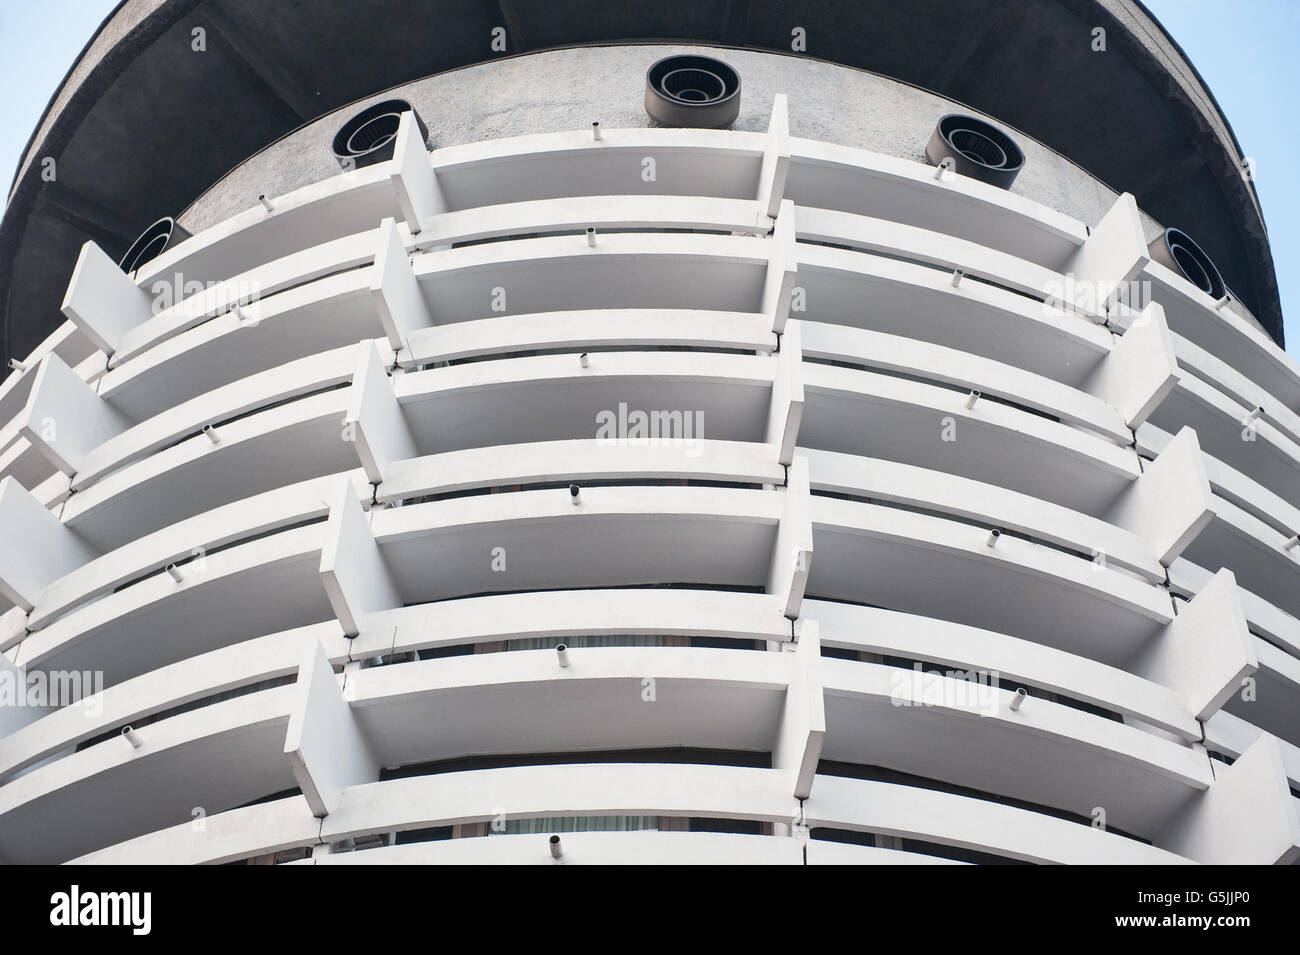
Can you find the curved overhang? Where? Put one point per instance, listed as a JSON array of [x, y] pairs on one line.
[[144, 121]]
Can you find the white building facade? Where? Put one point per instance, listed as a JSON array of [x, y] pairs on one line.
[[557, 486]]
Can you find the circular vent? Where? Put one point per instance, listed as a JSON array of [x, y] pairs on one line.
[[696, 91], [369, 137], [151, 243], [977, 149], [1176, 250]]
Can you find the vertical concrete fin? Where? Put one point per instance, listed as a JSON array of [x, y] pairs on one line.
[[326, 748], [1110, 258], [1247, 816], [413, 178], [352, 569], [102, 300], [374, 422], [792, 556], [798, 746], [1205, 651], [785, 412], [395, 290], [1140, 371], [36, 548], [782, 269], [1170, 503], [776, 159], [19, 711], [64, 418]]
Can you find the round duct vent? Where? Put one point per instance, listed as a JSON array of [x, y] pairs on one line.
[[977, 149], [1175, 250], [152, 241], [370, 136], [696, 91]]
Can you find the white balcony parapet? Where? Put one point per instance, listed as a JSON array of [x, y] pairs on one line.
[[562, 791], [607, 329], [971, 650], [187, 540], [320, 746], [932, 490], [909, 561], [366, 427], [207, 675], [561, 615], [877, 715], [238, 399], [967, 823], [896, 354]]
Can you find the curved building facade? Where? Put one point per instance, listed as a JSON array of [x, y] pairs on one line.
[[857, 463]]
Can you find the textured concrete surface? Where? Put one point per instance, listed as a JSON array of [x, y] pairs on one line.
[[568, 89]]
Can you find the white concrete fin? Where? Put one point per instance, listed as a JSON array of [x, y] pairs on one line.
[[1140, 371], [776, 159], [352, 569], [19, 712], [102, 300], [65, 419], [1112, 256], [414, 180], [786, 410], [326, 748], [1171, 502], [1205, 651], [798, 747], [792, 557], [782, 269], [36, 548], [395, 290], [374, 420], [13, 627], [1247, 816]]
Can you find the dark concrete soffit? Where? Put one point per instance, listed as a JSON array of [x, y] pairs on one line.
[[287, 93]]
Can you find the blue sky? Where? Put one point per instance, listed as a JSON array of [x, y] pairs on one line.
[[1243, 48], [39, 40], [1245, 52]]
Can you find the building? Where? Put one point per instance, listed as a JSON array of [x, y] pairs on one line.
[[884, 455]]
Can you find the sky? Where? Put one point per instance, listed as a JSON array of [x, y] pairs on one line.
[[1244, 51], [1242, 48]]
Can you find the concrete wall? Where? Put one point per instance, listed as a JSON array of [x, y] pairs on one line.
[[278, 501], [569, 89]]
